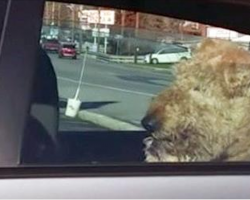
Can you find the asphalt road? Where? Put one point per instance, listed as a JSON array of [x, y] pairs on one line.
[[111, 89]]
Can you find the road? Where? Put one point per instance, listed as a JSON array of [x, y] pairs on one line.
[[111, 89]]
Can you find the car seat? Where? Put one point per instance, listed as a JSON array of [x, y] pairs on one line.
[[40, 137]]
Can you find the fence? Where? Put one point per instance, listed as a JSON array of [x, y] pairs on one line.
[[119, 59]]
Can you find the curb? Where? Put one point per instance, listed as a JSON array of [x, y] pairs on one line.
[[131, 65], [170, 70], [107, 122]]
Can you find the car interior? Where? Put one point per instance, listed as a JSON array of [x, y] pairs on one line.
[[30, 106]]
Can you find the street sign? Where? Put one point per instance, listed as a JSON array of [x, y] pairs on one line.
[[107, 17], [83, 15], [93, 16], [104, 32], [95, 32], [119, 37]]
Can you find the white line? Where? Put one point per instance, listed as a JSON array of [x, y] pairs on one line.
[[107, 87]]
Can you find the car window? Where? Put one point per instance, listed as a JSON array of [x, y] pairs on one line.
[[69, 46], [51, 41], [119, 103]]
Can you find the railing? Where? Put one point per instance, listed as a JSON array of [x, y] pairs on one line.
[[120, 59]]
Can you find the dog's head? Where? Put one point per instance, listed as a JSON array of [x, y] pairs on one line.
[[195, 118]]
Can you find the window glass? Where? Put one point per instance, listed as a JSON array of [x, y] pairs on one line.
[[119, 102], [173, 49], [70, 46]]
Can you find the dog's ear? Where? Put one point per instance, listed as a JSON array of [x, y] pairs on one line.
[[205, 45], [211, 48], [235, 64], [228, 61]]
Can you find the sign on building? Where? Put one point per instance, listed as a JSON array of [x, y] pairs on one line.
[[107, 17], [93, 16], [214, 32]]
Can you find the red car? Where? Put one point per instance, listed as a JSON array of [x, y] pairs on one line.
[[51, 45], [67, 50]]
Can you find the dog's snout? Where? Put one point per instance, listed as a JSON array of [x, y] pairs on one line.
[[150, 123]]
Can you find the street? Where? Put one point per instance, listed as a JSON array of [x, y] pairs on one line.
[[110, 89]]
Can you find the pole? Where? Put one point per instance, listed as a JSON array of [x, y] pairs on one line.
[[53, 12], [52, 18], [59, 15], [137, 23], [98, 27], [47, 13], [73, 22], [81, 30], [123, 13], [95, 38], [81, 76], [105, 39], [59, 20]]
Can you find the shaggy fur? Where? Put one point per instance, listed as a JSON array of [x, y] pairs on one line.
[[205, 114]]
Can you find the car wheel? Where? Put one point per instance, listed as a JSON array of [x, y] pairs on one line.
[[59, 55], [154, 61], [75, 57]]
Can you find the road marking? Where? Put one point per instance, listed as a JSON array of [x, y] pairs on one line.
[[107, 87]]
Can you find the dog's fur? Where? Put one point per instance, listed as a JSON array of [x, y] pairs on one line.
[[205, 114]]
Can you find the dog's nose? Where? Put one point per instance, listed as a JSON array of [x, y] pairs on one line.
[[150, 123]]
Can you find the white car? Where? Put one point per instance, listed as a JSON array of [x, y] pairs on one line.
[[170, 54]]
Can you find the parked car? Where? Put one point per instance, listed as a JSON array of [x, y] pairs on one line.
[[170, 54], [51, 45], [67, 50]]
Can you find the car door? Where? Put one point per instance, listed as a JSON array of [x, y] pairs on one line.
[[166, 56], [170, 55], [72, 176]]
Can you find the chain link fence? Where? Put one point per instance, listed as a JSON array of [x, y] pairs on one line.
[[120, 40]]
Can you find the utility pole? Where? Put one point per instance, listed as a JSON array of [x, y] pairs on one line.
[[98, 27], [81, 31], [137, 23], [59, 15], [123, 17], [47, 12], [59, 20], [73, 20], [53, 12], [52, 18], [72, 9]]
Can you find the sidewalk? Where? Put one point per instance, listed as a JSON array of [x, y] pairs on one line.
[[75, 125], [168, 69]]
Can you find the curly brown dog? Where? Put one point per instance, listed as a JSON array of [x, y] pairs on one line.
[[205, 114]]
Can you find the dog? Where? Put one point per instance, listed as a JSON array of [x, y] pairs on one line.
[[205, 114]]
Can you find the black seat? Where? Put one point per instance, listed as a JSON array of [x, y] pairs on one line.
[[39, 141]]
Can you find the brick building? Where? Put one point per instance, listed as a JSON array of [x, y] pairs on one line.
[[66, 15]]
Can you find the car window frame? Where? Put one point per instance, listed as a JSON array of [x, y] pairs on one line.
[[15, 105], [159, 169]]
